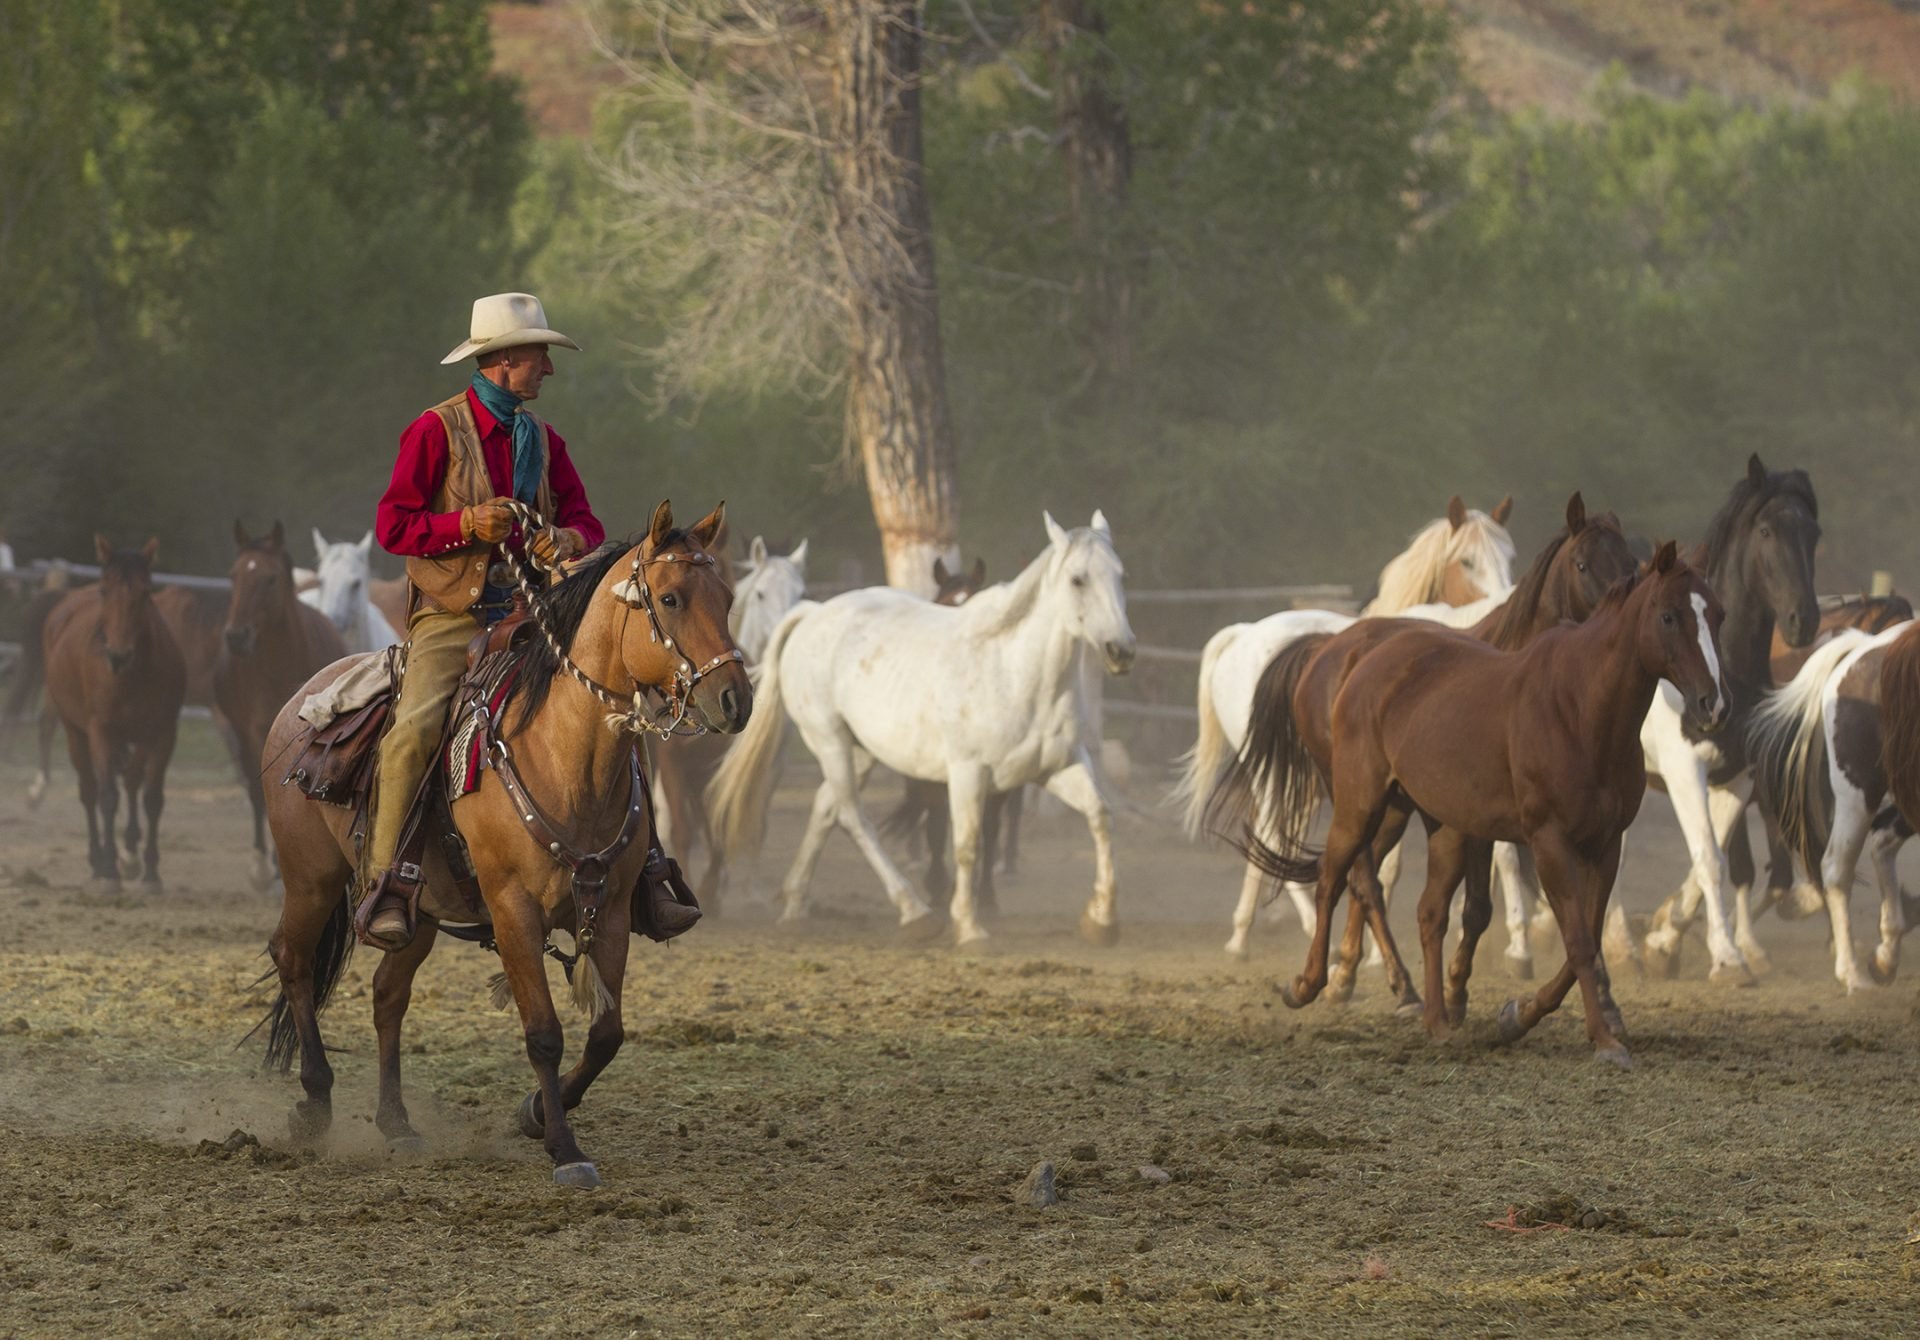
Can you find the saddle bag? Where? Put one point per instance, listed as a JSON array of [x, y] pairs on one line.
[[335, 763]]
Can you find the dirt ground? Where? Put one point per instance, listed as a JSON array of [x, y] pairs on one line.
[[821, 1130]]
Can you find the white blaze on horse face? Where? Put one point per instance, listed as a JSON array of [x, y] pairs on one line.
[[1705, 634]]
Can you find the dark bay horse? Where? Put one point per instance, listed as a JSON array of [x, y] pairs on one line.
[[114, 681], [1293, 711], [271, 643], [1538, 746], [630, 617]]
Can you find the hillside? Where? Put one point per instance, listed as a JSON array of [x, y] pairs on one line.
[[1521, 53]]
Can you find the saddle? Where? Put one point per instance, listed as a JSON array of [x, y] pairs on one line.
[[335, 765]]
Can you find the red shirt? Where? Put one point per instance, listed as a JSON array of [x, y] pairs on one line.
[[404, 523]]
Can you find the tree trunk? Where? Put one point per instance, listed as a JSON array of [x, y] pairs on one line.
[[1097, 149], [897, 415]]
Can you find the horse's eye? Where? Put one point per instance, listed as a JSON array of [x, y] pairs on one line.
[[1766, 532], [1079, 580], [1579, 567], [1666, 617], [670, 600]]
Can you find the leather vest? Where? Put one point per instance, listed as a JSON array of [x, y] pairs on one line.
[[452, 580]]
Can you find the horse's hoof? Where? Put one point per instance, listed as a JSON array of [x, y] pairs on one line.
[[1507, 1024], [1615, 1024], [1237, 949], [308, 1121], [1412, 1007], [130, 867], [973, 935], [1521, 965], [104, 886], [1660, 961], [1339, 987], [1456, 1013], [1759, 963], [152, 886], [1617, 1055], [408, 1147], [1732, 974], [528, 1118], [921, 929], [1105, 934], [580, 1176], [1881, 976], [1292, 997]]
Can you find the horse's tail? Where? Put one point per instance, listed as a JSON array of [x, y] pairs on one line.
[[737, 796], [1900, 722], [30, 672], [1266, 801], [1787, 747], [1201, 766], [329, 961], [906, 816]]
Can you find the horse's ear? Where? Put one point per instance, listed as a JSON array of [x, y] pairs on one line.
[[662, 522], [151, 549], [366, 543], [278, 535], [1055, 535], [799, 556], [1611, 520], [1100, 523], [1456, 512], [940, 573], [1756, 472], [1502, 510], [1576, 513], [979, 575], [319, 543], [757, 550], [240, 536], [1665, 557], [102, 546], [708, 530]]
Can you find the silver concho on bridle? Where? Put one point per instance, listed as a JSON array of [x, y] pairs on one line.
[[633, 592]]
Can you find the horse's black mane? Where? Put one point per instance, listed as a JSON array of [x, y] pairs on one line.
[[1747, 498], [532, 664]]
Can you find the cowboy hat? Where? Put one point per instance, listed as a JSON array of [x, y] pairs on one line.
[[504, 320]]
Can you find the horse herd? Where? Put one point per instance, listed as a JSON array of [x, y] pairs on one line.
[[1518, 721]]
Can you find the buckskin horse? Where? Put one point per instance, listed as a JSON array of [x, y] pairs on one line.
[[631, 618], [114, 681], [1455, 569], [272, 642], [1294, 701], [1538, 746]]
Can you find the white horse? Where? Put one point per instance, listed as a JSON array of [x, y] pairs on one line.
[[1456, 570], [766, 587], [340, 592], [984, 697]]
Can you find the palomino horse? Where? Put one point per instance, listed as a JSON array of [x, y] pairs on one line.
[[1759, 560], [340, 592], [629, 618], [1462, 561], [1538, 746], [273, 642], [1840, 747], [115, 681], [985, 697], [769, 586], [1293, 707]]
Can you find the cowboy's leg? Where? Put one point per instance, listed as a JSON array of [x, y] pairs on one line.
[[436, 657]]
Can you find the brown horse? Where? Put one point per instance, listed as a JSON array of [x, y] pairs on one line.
[[1293, 704], [630, 617], [272, 642], [1538, 746], [114, 680]]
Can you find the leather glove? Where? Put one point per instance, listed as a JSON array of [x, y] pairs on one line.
[[554, 546], [489, 522]]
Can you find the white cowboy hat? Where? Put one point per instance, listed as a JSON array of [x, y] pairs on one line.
[[504, 320]]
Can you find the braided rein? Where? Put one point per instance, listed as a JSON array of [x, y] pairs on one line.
[[634, 593]]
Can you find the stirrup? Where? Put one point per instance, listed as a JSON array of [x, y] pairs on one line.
[[394, 890]]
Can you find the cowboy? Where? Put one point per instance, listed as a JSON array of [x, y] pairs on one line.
[[445, 510]]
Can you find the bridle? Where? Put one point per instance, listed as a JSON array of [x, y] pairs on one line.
[[634, 593]]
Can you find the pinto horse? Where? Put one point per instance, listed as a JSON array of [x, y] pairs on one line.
[[630, 617], [273, 642], [115, 682], [1293, 707], [1456, 569], [1538, 746], [986, 697]]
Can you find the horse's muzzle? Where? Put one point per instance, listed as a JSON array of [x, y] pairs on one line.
[[1711, 710], [1119, 657], [736, 708]]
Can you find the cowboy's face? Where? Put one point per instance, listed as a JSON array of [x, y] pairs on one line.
[[525, 367]]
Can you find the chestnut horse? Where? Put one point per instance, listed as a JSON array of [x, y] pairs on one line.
[[1538, 746], [629, 618], [1295, 696], [115, 681], [272, 642]]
